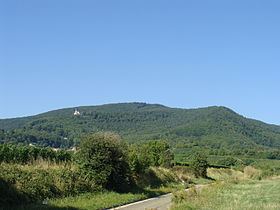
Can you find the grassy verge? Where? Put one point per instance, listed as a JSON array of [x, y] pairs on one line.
[[155, 182], [244, 194], [99, 200], [107, 199]]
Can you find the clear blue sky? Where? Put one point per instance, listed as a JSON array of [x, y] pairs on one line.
[[179, 53]]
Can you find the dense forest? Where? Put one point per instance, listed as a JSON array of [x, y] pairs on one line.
[[216, 130]]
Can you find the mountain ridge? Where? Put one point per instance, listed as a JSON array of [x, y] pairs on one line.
[[123, 103], [216, 128]]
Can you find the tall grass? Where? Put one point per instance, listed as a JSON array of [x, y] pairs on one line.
[[43, 180], [62, 186], [93, 201], [232, 194]]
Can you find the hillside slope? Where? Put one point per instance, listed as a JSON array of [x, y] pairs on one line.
[[214, 128]]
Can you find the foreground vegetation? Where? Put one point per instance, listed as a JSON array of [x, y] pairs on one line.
[[263, 194], [106, 172], [40, 188], [104, 166], [233, 191], [91, 201]]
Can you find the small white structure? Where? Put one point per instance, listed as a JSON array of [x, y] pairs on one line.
[[55, 149], [77, 113]]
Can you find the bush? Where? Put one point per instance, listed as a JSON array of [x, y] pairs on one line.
[[183, 195], [153, 153], [138, 161], [199, 165], [159, 153], [9, 194], [35, 184], [23, 184], [103, 160], [72, 182]]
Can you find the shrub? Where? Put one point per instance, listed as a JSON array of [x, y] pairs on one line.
[[138, 161], [35, 184], [72, 182], [9, 195], [153, 153], [159, 153], [199, 165], [183, 195], [103, 160], [23, 184], [38, 184]]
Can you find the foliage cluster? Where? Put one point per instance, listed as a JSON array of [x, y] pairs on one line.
[[199, 165], [103, 159], [36, 184], [11, 153], [152, 153], [102, 162]]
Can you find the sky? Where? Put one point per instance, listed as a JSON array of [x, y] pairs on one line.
[[180, 53]]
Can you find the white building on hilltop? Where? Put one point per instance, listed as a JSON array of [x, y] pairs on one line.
[[77, 113]]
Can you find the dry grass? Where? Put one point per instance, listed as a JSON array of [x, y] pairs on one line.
[[226, 195], [252, 173], [225, 174]]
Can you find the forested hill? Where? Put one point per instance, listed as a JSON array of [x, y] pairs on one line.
[[214, 128]]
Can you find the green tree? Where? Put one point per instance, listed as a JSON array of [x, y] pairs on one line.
[[159, 153], [103, 160], [138, 159], [199, 165]]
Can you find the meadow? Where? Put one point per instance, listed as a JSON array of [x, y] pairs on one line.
[[234, 190]]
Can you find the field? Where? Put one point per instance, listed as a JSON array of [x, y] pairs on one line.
[[235, 195], [40, 178]]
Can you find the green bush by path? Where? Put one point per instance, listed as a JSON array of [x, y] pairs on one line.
[[199, 164], [103, 160], [37, 184], [153, 153]]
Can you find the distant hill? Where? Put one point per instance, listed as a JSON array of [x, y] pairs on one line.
[[218, 130]]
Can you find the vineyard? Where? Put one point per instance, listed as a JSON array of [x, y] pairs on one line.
[[11, 153]]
